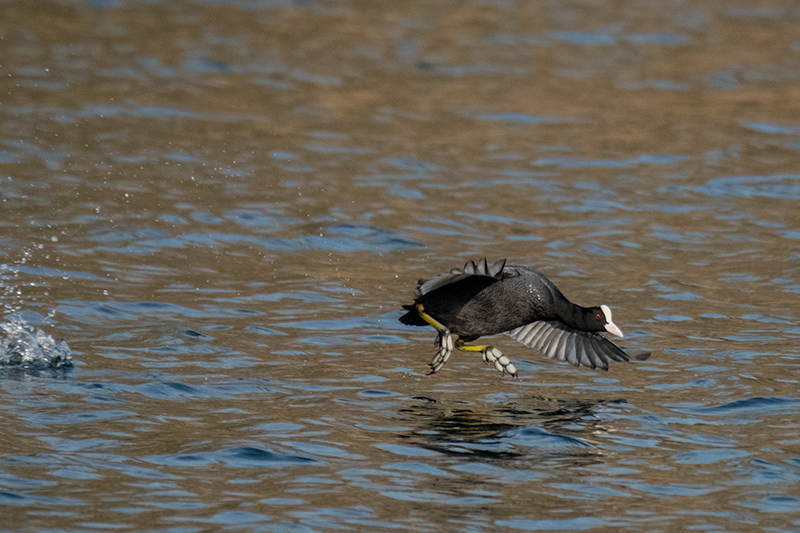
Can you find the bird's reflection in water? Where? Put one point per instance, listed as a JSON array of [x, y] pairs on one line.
[[537, 426]]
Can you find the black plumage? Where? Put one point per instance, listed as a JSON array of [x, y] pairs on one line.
[[482, 299]]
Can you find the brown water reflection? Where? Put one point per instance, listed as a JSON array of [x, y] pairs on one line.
[[225, 203]]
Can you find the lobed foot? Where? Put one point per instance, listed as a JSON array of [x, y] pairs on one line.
[[444, 349], [503, 364]]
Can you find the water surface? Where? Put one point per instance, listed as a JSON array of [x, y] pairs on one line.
[[221, 206]]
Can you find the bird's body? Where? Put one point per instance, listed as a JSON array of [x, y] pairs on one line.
[[482, 299], [483, 305]]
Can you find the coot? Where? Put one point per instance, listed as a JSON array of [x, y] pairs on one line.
[[482, 299]]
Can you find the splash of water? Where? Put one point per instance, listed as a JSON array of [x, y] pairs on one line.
[[31, 347], [24, 344]]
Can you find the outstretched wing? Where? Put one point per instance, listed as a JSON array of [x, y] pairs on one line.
[[563, 343], [481, 268]]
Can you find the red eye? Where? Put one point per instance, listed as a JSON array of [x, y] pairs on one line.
[[597, 316]]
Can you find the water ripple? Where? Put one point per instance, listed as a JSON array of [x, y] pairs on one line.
[[777, 186], [240, 457]]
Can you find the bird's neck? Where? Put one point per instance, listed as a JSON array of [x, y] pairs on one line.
[[577, 316]]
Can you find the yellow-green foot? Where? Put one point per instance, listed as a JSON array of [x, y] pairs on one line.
[[444, 349], [503, 364], [492, 356]]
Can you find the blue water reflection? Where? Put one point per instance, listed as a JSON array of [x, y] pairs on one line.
[[212, 212]]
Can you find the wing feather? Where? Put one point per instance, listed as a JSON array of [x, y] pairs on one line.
[[558, 341], [482, 268]]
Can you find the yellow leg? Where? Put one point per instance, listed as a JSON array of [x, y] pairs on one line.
[[469, 347], [429, 319]]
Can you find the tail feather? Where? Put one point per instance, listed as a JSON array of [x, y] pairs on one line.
[[412, 318]]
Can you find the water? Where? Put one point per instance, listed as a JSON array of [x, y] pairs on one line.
[[217, 208]]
